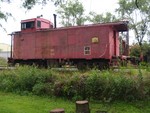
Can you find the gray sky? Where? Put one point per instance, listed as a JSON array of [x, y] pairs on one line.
[[19, 13]]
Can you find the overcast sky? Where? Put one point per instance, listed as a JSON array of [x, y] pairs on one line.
[[19, 13]]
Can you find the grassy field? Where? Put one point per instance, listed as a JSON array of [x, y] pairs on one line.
[[120, 89], [13, 103]]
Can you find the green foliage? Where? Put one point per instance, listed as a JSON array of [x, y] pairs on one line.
[[4, 16], [138, 16], [135, 50], [26, 79], [3, 62], [29, 4], [71, 13], [7, 80], [107, 86], [101, 18]]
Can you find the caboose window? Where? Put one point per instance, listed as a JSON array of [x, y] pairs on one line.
[[39, 24], [23, 26], [27, 25], [87, 50]]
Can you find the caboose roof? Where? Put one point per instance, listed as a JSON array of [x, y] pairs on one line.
[[33, 19], [119, 26]]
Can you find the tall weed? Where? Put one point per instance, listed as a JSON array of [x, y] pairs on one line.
[[107, 85]]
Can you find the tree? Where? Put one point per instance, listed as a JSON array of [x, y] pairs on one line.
[[135, 51], [137, 12], [28, 4], [3, 15], [72, 13], [101, 18]]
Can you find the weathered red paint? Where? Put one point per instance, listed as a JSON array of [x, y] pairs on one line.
[[69, 42], [45, 24]]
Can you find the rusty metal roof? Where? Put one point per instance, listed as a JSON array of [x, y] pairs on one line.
[[119, 26]]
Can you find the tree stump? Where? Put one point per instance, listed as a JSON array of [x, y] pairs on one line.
[[59, 110], [82, 107]]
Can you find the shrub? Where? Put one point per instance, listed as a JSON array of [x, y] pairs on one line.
[[105, 85], [3, 61], [26, 79]]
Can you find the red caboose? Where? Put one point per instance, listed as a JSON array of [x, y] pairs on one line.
[[89, 45]]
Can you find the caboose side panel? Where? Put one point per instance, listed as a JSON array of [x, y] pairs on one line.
[[51, 44], [74, 43], [73, 47], [24, 46], [114, 43], [28, 46], [58, 41], [117, 44], [16, 47], [41, 46], [87, 42], [78, 43]]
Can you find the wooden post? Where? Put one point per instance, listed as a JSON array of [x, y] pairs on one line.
[[59, 110], [82, 107]]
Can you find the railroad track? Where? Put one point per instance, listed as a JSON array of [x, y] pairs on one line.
[[6, 68]]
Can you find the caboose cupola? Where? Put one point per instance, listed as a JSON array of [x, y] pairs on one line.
[[31, 25]]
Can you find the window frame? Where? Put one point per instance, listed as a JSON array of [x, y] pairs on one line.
[[38, 24], [28, 25], [87, 50]]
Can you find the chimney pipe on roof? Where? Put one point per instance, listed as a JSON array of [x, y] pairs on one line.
[[40, 16], [54, 20]]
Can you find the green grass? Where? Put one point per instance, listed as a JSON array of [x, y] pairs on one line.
[[13, 103], [3, 62]]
